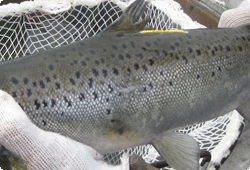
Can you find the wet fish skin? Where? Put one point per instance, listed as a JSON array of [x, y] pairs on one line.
[[122, 88]]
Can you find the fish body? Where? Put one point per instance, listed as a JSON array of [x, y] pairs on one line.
[[122, 88]]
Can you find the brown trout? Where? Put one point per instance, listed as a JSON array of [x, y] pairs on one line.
[[123, 88]]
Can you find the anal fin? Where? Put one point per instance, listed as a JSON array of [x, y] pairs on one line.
[[179, 150], [244, 110]]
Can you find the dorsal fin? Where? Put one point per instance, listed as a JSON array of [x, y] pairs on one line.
[[129, 18]]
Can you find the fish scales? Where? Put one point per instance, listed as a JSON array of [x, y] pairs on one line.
[[120, 89]]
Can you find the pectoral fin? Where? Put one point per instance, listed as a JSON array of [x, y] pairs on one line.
[[244, 110], [179, 150]]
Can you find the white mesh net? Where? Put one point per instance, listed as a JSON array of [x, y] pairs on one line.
[[32, 27]]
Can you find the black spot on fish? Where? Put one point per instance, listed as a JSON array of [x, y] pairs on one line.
[[114, 47], [112, 55], [29, 92], [107, 99], [67, 101], [34, 84], [198, 52], [104, 49], [212, 74], [90, 82], [82, 43], [108, 111], [62, 56], [128, 71], [170, 83], [44, 58], [143, 48], [124, 46], [110, 88], [72, 81], [144, 89], [176, 57], [44, 123], [54, 76], [53, 102], [164, 52], [172, 47], [150, 85], [151, 62], [155, 43], [84, 63], [45, 104], [190, 50], [78, 74], [220, 47], [140, 55], [120, 35], [215, 49], [37, 104], [92, 51], [42, 85], [157, 52], [95, 72], [145, 68], [128, 56], [115, 71], [185, 59], [47, 79], [57, 86], [213, 53], [102, 60], [161, 73], [147, 44], [136, 66], [56, 61], [105, 73], [191, 8], [243, 38], [87, 58], [14, 94], [132, 44], [177, 44], [240, 48], [228, 48], [14, 80], [208, 47], [25, 80], [73, 49], [95, 95], [80, 54], [97, 62], [81, 97], [198, 76], [120, 131], [112, 120], [219, 68], [121, 57]]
